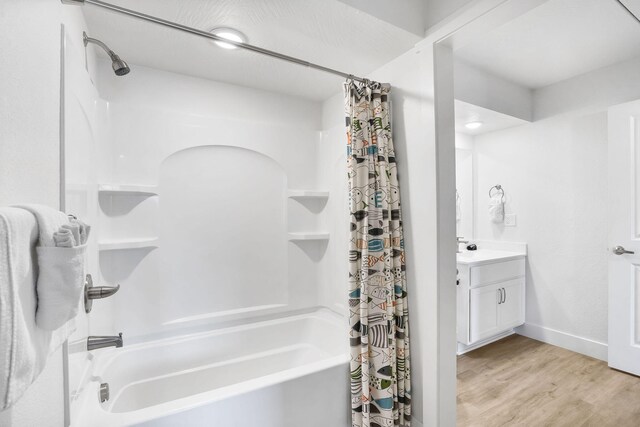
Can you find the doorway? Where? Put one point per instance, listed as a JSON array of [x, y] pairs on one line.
[[544, 114]]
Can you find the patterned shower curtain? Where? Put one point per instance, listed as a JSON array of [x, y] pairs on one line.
[[379, 333]]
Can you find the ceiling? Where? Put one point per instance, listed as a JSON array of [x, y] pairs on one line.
[[491, 120], [556, 41], [326, 32]]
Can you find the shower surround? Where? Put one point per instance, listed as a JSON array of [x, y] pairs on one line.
[[213, 214]]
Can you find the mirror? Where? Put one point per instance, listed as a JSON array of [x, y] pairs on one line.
[[464, 193]]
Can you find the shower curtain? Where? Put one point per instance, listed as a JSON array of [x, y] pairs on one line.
[[378, 315]]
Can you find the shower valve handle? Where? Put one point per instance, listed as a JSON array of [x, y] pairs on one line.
[[96, 292]]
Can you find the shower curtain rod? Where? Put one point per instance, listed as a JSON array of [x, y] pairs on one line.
[[628, 10], [195, 31]]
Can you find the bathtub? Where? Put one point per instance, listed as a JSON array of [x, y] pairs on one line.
[[283, 372]]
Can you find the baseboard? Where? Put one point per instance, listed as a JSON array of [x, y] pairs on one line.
[[462, 348], [571, 342]]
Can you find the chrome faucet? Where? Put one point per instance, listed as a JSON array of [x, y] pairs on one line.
[[96, 342], [459, 240]]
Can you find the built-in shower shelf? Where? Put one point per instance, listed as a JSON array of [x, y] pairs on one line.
[[308, 236], [128, 189], [308, 194], [119, 244]]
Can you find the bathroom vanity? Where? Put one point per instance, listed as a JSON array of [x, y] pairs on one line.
[[490, 295]]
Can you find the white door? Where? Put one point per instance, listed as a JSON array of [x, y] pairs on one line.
[[483, 312], [624, 237], [511, 308]]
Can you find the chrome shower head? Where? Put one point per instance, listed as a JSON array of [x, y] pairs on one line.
[[120, 67]]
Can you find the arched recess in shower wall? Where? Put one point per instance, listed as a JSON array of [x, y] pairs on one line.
[[223, 241]]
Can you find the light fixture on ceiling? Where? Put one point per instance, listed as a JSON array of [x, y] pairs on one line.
[[229, 34], [473, 125]]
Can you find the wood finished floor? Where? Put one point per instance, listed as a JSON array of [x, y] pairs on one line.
[[518, 381]]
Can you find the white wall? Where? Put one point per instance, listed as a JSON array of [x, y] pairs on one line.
[[554, 173], [478, 87], [29, 151], [598, 89]]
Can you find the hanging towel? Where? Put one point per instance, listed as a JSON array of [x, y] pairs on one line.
[[64, 238], [496, 208], [26, 239], [25, 347], [83, 228], [458, 207], [49, 221], [61, 266], [60, 283]]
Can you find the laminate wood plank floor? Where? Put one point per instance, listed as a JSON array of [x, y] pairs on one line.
[[518, 381]]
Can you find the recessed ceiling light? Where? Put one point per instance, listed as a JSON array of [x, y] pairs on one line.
[[229, 34], [473, 125]]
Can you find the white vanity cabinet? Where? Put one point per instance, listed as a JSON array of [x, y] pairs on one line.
[[491, 296]]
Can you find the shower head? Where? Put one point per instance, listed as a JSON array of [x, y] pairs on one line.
[[120, 67]]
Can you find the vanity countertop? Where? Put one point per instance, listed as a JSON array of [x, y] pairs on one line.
[[487, 256]]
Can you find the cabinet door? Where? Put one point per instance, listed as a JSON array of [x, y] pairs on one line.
[[483, 312], [511, 310]]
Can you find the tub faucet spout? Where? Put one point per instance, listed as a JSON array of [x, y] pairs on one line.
[[95, 342]]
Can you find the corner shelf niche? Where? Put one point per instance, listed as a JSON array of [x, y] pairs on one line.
[[308, 236], [307, 194], [121, 244], [314, 202], [128, 190]]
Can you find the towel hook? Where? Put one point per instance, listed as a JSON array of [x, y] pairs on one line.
[[498, 188]]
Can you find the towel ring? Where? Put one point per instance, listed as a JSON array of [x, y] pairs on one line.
[[498, 188]]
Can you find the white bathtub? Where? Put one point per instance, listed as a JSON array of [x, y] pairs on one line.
[[285, 372]]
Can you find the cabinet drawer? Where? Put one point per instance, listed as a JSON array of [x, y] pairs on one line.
[[497, 272]]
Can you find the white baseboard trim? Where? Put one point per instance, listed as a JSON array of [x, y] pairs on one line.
[[586, 346], [462, 348]]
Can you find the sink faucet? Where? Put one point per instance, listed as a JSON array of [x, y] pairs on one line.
[[95, 342], [459, 240]]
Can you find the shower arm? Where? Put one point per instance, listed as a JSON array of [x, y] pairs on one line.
[[88, 40], [195, 31]]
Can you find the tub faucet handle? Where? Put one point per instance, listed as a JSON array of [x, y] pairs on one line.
[[96, 292]]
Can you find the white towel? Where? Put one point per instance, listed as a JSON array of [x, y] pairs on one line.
[[74, 229], [458, 207], [49, 221], [85, 230], [28, 259], [61, 267], [60, 283], [64, 238], [496, 208], [24, 347]]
